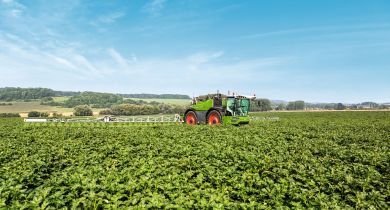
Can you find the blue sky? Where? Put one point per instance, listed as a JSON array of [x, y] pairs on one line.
[[317, 51]]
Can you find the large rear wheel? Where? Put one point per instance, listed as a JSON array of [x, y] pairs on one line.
[[214, 118], [191, 118]]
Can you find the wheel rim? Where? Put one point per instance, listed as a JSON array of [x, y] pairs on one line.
[[190, 119], [214, 119]]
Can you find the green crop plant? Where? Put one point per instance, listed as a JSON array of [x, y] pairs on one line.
[[332, 160]]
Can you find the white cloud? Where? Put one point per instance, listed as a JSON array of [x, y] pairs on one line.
[[134, 58], [103, 21], [321, 30], [26, 64], [110, 18], [13, 4], [12, 8], [64, 62], [15, 12], [118, 58], [19, 58], [154, 7], [199, 58], [8, 1], [196, 71]]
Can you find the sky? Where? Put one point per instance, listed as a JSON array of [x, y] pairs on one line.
[[317, 51]]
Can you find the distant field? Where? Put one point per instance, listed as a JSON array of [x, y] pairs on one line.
[[25, 107], [166, 101], [18, 107]]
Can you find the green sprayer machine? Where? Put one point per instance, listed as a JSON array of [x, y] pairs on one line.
[[218, 109], [212, 109]]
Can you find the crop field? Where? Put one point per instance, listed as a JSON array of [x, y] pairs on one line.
[[303, 160]]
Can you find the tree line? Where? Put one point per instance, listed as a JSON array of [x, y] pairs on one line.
[[263, 104], [9, 115], [267, 105], [93, 99], [5, 104], [12, 94], [17, 93]]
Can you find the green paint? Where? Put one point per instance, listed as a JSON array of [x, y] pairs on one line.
[[235, 120], [203, 106]]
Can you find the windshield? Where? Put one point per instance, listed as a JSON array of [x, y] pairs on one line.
[[238, 107], [230, 106], [245, 106]]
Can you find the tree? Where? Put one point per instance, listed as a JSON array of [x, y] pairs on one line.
[[11, 93], [296, 105], [330, 106], [82, 110], [281, 106], [300, 105], [37, 114], [370, 105], [261, 104], [97, 100], [33, 114], [264, 104], [339, 106], [291, 106], [9, 115], [44, 114]]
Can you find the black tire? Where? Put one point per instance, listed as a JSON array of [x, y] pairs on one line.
[[214, 118]]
